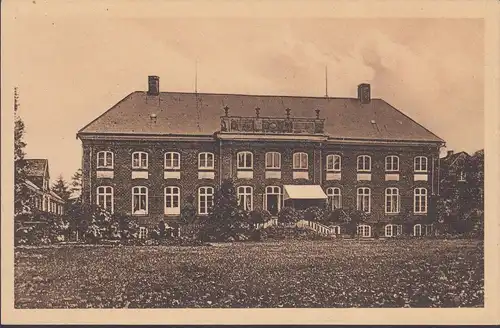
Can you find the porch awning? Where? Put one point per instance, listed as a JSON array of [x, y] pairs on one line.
[[304, 192]]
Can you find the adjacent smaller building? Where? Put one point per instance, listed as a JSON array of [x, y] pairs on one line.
[[42, 198]]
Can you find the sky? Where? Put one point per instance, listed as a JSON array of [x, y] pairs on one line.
[[70, 69]]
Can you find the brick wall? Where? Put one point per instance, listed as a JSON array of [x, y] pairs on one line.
[[189, 182]]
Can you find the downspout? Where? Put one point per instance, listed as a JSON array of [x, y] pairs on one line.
[[90, 175], [320, 164], [220, 162]]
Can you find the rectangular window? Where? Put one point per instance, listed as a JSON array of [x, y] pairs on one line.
[[420, 164], [140, 160], [392, 200], [104, 159], [392, 163], [172, 200], [245, 160], [273, 160], [334, 198], [364, 163], [105, 198], [245, 197], [363, 199], [140, 200], [333, 163], [205, 199], [206, 161], [300, 161], [420, 200], [172, 161], [143, 232]]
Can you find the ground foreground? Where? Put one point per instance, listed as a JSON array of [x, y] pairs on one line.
[[378, 273]]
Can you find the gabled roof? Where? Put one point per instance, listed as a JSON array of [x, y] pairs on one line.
[[180, 113], [36, 167], [453, 158]]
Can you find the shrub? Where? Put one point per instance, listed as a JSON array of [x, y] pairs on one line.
[[259, 216], [188, 213], [288, 215], [314, 213]]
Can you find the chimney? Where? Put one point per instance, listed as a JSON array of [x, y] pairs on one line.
[[449, 153], [153, 85], [364, 93]]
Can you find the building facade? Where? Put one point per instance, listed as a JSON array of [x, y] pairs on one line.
[[154, 151]]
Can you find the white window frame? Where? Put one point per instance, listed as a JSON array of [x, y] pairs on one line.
[[141, 156], [463, 175], [365, 161], [332, 193], [140, 191], [392, 197], [419, 162], [428, 229], [393, 230], [241, 160], [362, 197], [300, 156], [336, 230], [203, 161], [143, 233], [105, 192], [203, 197], [274, 190], [273, 160], [419, 198], [392, 163], [419, 230], [170, 163], [104, 156], [363, 228], [172, 194], [245, 193], [333, 163]]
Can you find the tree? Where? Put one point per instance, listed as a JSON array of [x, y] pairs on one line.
[[21, 192], [226, 219], [61, 188], [76, 183]]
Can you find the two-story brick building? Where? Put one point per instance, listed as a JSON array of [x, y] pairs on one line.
[[152, 151]]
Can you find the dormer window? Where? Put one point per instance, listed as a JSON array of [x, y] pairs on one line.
[[105, 160], [139, 160]]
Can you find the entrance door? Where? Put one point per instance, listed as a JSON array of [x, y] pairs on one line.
[[272, 200]]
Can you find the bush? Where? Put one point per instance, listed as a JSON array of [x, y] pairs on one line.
[[314, 213], [288, 215], [259, 216]]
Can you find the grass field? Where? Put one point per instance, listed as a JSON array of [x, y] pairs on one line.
[[378, 273]]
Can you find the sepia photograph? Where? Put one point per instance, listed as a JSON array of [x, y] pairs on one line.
[[282, 162]]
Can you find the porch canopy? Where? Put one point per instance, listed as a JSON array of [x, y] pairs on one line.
[[303, 192]]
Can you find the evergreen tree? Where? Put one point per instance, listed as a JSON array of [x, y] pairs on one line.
[[21, 192], [61, 188], [76, 183]]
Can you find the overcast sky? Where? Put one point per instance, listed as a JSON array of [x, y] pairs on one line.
[[69, 69]]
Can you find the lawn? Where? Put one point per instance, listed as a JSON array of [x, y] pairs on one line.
[[336, 273]]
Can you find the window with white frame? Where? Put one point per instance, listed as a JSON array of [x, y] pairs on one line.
[[420, 201], [245, 197], [392, 163], [139, 200], [139, 160], [105, 198], [273, 160], [391, 200], [364, 230], [300, 160], [336, 230], [333, 163], [334, 197], [172, 161], [420, 164], [143, 232], [364, 199], [206, 161], [172, 200], [417, 230], [393, 230], [245, 160], [462, 176], [428, 229], [205, 199], [364, 163], [105, 159]]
